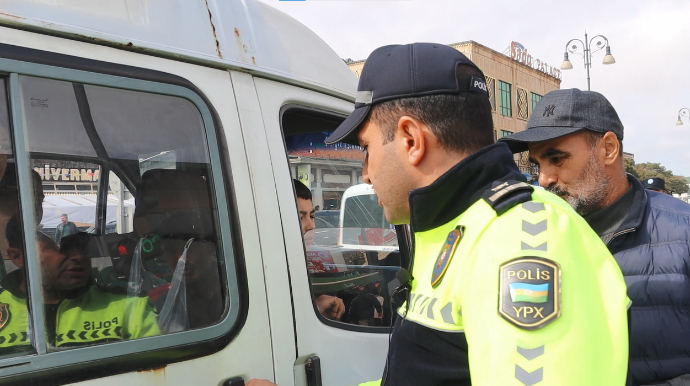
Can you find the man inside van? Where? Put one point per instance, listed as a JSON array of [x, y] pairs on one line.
[[509, 286], [331, 307], [77, 311], [9, 199]]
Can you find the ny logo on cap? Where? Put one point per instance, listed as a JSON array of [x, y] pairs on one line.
[[548, 111]]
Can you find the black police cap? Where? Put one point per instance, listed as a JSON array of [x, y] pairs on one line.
[[405, 71], [654, 183]]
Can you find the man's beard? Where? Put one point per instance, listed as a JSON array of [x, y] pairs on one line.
[[588, 192]]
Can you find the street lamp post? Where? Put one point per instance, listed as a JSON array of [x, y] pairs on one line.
[[601, 42], [684, 112]]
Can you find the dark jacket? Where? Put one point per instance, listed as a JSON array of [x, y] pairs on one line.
[[363, 307], [63, 230], [652, 247]]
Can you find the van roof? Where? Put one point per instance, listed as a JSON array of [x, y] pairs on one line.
[[233, 34], [358, 190]]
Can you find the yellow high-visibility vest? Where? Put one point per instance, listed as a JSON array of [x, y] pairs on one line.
[[14, 326], [537, 294], [98, 315], [92, 317]]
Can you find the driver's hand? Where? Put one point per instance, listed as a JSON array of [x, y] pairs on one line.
[[331, 307]]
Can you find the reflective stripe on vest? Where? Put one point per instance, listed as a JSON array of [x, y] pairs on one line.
[[439, 308]]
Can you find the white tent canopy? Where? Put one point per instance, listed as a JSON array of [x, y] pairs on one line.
[[79, 208]]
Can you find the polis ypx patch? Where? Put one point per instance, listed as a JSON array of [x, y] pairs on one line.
[[530, 292]]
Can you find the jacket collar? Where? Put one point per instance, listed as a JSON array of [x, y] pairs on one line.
[[75, 293], [636, 214], [461, 186], [635, 217]]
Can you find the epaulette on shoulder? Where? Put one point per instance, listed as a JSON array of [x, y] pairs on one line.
[[506, 194]]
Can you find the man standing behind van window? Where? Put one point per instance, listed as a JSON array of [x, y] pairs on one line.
[[65, 228], [509, 285], [576, 139], [331, 307]]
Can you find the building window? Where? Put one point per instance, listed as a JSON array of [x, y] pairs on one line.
[[491, 88], [505, 133], [535, 99], [506, 99], [522, 106]]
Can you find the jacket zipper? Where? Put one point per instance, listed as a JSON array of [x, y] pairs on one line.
[[624, 231]]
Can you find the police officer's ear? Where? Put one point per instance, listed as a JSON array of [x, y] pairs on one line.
[[612, 148], [413, 136]]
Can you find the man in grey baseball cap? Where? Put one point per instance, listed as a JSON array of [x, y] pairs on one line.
[[576, 139]]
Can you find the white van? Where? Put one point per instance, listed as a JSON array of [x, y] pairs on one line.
[[188, 120], [363, 223]]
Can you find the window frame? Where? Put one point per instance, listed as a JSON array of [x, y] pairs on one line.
[[506, 98], [403, 232], [119, 357], [532, 99]]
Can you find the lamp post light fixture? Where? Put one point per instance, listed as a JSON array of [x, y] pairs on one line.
[[600, 41], [684, 112]]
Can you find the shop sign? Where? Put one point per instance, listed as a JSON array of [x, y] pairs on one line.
[[49, 173], [519, 53]]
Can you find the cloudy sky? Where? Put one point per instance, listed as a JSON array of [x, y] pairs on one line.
[[650, 40]]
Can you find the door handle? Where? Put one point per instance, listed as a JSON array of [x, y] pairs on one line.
[[235, 381], [313, 369]]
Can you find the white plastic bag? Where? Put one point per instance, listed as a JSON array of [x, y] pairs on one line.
[[173, 316], [139, 281]]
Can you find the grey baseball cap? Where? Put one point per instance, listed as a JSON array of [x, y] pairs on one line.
[[563, 112]]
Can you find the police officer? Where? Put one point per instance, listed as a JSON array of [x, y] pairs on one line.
[[509, 285], [656, 184], [77, 311]]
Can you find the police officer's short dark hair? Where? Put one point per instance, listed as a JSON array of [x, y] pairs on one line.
[[461, 122], [13, 233], [301, 190]]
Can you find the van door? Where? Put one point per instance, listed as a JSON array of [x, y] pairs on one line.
[[340, 295], [138, 164]]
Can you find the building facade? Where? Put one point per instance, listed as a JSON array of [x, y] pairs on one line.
[[516, 82]]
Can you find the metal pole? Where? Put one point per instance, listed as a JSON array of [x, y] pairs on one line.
[[588, 60]]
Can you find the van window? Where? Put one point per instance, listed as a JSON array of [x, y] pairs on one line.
[[364, 211], [352, 254], [15, 339], [127, 241], [363, 220]]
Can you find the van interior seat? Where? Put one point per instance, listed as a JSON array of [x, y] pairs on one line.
[[161, 195], [166, 192]]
